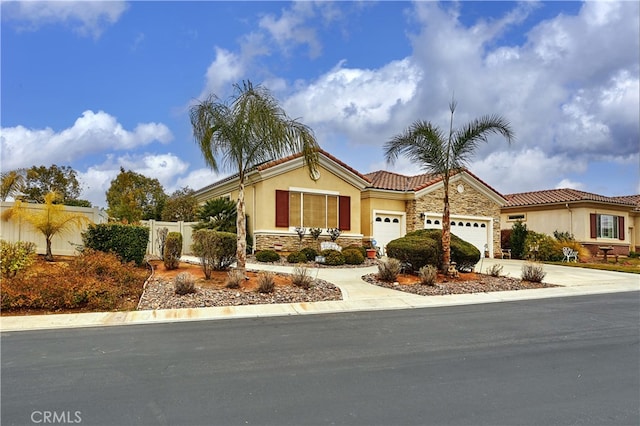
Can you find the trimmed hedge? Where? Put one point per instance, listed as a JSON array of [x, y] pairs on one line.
[[353, 256], [333, 257], [267, 256], [129, 242], [424, 247], [356, 247], [310, 253], [297, 257]]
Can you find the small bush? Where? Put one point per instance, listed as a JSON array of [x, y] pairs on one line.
[[301, 278], [184, 283], [333, 257], [428, 275], [310, 253], [389, 269], [216, 250], [353, 256], [414, 251], [266, 282], [297, 257], [495, 270], [129, 242], [16, 257], [533, 272], [234, 278], [356, 247], [267, 256], [172, 250]]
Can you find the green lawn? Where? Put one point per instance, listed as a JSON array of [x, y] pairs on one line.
[[623, 265]]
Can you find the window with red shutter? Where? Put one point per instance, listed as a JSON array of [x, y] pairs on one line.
[[282, 208], [344, 222]]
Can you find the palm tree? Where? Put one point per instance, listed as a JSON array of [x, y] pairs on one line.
[[428, 145], [248, 130], [11, 183], [51, 220]]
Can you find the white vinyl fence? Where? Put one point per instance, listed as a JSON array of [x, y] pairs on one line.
[[62, 244], [185, 228]]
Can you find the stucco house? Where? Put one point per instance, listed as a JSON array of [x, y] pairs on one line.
[[280, 196], [594, 220]]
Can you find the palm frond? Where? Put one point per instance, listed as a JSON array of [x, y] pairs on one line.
[[467, 139]]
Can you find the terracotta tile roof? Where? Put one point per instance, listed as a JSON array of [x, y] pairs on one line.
[[634, 199], [565, 195], [383, 179]]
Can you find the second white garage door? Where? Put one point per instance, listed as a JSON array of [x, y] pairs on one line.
[[474, 230]]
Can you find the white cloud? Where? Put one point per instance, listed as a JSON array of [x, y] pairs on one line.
[[226, 69], [197, 179], [568, 183], [292, 28], [91, 133], [87, 18]]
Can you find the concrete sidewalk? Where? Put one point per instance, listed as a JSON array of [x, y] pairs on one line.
[[357, 294]]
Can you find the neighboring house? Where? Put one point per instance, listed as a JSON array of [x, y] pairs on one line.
[[380, 206], [594, 220]]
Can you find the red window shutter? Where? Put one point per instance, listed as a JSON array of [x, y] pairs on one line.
[[282, 208], [621, 227], [592, 221], [344, 215]]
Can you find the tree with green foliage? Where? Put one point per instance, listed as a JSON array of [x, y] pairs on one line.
[[248, 130], [180, 206], [133, 197], [517, 239], [51, 220], [219, 214], [11, 183], [444, 154], [63, 180]]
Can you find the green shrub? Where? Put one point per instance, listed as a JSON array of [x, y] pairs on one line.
[[548, 248], [267, 256], [533, 272], [184, 283], [333, 257], [16, 257], [356, 247], [633, 255], [129, 242], [389, 269], [516, 240], [172, 250], [301, 278], [216, 250], [414, 251], [234, 278], [310, 253], [297, 257], [353, 256], [464, 254], [266, 282], [428, 275]]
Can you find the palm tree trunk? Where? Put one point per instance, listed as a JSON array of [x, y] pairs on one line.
[[241, 252], [446, 228], [49, 254]]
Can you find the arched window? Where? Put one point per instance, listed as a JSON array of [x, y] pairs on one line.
[[387, 220], [468, 223], [428, 221], [453, 223], [460, 224], [483, 226], [436, 222], [475, 225], [378, 219], [396, 220]]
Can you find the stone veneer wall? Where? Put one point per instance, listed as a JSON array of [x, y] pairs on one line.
[[291, 243], [468, 203]]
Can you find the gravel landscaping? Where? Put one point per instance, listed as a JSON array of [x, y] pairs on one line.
[[466, 283]]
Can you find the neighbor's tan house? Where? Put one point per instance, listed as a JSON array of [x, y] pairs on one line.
[[594, 220], [380, 206]]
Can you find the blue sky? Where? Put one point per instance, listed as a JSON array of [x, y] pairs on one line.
[[103, 85]]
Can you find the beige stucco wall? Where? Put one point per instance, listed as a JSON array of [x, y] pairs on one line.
[[375, 202]]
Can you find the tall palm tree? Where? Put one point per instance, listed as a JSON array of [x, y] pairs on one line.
[[428, 145], [248, 130]]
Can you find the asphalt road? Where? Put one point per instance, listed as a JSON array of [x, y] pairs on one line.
[[569, 361]]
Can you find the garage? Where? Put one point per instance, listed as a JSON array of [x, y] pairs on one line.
[[473, 229], [387, 227]]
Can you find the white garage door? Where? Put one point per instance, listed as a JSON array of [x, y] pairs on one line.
[[386, 227], [471, 230]]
